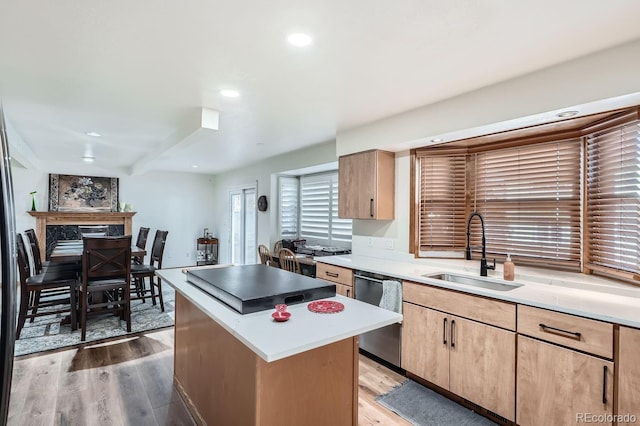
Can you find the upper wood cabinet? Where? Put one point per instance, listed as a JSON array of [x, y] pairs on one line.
[[367, 185]]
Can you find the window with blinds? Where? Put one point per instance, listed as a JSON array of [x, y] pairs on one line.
[[530, 197], [288, 209], [319, 221], [442, 208], [613, 198]]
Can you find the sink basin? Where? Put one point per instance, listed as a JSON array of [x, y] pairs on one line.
[[474, 281]]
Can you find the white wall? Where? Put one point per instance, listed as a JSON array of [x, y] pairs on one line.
[[264, 174], [601, 76], [181, 203]]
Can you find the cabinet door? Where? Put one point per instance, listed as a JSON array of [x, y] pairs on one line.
[[629, 373], [425, 344], [356, 183], [344, 290], [482, 365], [558, 386]]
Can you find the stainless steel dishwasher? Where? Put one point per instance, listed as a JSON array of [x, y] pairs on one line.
[[383, 342]]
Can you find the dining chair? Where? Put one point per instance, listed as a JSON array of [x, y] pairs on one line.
[[139, 273], [289, 261], [106, 274], [277, 246], [141, 242], [265, 255], [59, 287]]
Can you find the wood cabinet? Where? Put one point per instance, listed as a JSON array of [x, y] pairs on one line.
[[367, 185], [473, 360], [628, 374], [341, 277], [560, 386]]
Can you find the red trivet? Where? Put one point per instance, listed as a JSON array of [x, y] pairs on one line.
[[325, 307]]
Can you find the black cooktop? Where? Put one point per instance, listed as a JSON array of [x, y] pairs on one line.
[[322, 251], [252, 288]]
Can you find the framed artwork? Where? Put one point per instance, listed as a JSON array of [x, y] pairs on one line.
[[69, 193]]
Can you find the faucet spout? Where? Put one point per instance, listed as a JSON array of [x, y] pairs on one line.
[[483, 260]]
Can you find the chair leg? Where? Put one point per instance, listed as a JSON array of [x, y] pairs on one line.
[[84, 300], [127, 308], [22, 315], [35, 303], [153, 291], [73, 302], [159, 293]]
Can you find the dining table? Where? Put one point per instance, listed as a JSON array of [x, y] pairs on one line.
[[67, 251]]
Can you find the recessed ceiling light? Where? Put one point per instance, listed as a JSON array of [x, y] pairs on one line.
[[436, 140], [566, 114], [229, 93], [299, 39], [88, 158], [195, 166], [93, 134]]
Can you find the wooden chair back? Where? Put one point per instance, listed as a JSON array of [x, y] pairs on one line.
[[289, 261], [106, 258], [35, 250], [143, 233], [265, 255], [157, 250], [277, 246]]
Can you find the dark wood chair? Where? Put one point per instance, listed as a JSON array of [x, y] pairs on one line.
[[139, 273], [265, 255], [106, 275], [289, 261], [141, 242], [57, 287]]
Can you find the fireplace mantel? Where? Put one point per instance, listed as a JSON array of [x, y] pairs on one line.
[[78, 218]]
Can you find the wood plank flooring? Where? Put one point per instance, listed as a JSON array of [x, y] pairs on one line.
[[130, 382]]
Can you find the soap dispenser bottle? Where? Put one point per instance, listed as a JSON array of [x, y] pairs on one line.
[[508, 269]]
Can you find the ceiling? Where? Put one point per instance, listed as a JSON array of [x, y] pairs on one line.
[[140, 73]]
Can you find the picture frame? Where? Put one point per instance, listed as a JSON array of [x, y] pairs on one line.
[[73, 193]]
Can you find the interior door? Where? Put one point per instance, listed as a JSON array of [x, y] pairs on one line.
[[243, 226]]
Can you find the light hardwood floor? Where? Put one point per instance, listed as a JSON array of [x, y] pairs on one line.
[[130, 382]]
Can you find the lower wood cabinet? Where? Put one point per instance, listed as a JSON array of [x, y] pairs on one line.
[[473, 360], [629, 376], [560, 386], [341, 277]]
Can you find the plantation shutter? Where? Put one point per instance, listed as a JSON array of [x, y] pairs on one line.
[[288, 209], [315, 207]]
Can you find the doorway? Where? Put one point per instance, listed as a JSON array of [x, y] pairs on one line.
[[243, 226]]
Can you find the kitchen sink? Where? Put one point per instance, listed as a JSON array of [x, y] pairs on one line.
[[474, 281]]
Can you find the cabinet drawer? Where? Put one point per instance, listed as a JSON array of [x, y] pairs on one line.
[[336, 274], [583, 334], [489, 311]]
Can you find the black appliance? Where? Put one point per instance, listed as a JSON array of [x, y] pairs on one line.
[[322, 251], [8, 257], [293, 245], [253, 288]]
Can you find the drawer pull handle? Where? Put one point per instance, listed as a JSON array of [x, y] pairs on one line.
[[332, 274], [348, 291], [604, 384], [444, 331], [453, 323], [371, 208], [571, 334]]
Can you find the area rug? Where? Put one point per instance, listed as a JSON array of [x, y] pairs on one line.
[[423, 407], [49, 332]]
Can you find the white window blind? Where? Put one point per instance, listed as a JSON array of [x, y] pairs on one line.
[[319, 222], [613, 198], [288, 209], [530, 197]]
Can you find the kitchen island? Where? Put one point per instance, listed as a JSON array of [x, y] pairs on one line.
[[235, 369]]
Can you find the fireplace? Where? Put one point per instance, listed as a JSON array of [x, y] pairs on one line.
[[48, 221]]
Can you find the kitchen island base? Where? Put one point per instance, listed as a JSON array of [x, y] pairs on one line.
[[224, 382]]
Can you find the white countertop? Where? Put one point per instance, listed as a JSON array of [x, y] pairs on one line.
[[571, 293], [305, 330]]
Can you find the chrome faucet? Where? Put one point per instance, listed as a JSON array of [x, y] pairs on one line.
[[483, 260]]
